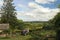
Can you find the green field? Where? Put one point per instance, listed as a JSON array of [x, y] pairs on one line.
[[17, 38], [34, 35]]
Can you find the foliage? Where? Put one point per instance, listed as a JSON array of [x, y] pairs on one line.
[[9, 14], [20, 25], [33, 25], [48, 26], [56, 20]]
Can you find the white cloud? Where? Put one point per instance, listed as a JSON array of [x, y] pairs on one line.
[[1, 2], [25, 16], [20, 5], [33, 5], [38, 13], [35, 15], [45, 1]]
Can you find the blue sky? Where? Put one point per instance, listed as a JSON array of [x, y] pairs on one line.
[[35, 10], [25, 2]]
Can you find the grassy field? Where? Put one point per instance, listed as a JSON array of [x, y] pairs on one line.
[[17, 38], [34, 35]]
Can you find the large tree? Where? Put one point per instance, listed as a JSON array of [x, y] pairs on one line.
[[9, 14], [56, 20]]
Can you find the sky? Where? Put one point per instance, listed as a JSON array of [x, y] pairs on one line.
[[35, 10]]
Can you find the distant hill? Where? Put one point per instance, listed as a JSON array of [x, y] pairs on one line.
[[36, 21]]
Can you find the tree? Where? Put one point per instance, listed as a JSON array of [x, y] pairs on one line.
[[9, 14], [20, 24], [56, 20]]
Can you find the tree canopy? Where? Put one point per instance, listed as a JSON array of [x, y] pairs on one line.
[[9, 14]]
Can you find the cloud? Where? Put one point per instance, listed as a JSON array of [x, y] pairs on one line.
[[33, 5], [20, 5], [25, 16], [38, 13], [1, 2], [45, 1], [42, 12], [35, 15]]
